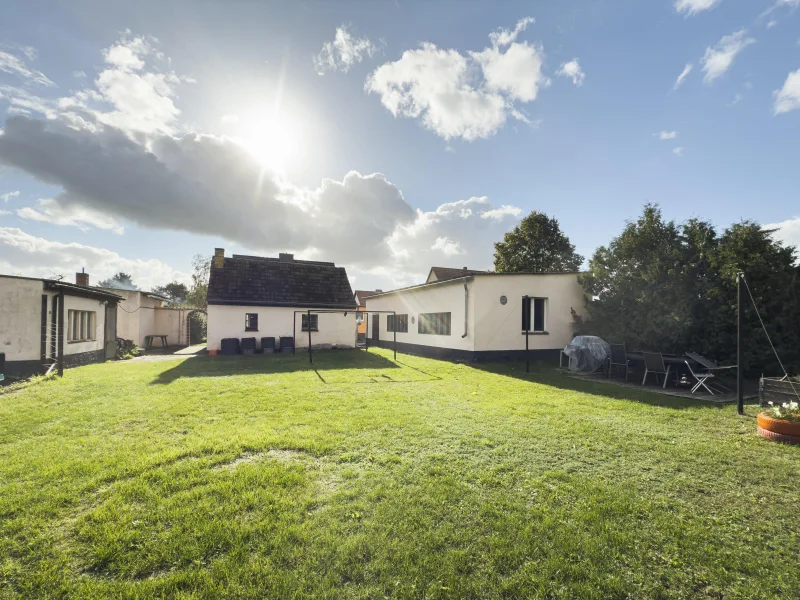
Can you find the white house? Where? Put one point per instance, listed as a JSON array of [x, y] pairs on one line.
[[478, 316], [258, 297], [31, 338]]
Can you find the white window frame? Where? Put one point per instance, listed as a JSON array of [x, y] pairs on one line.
[[533, 313], [81, 325]]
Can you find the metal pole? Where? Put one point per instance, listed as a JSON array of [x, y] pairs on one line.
[[526, 306], [394, 333], [739, 348], [294, 333], [366, 331], [310, 355], [61, 333]]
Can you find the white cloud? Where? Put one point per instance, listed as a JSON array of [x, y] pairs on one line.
[[498, 214], [788, 232], [691, 7], [229, 119], [504, 37], [50, 211], [682, 77], [458, 96], [572, 69], [14, 65], [8, 195], [79, 74], [447, 246], [343, 52], [678, 151], [788, 97], [666, 135], [718, 60], [21, 252], [128, 53]]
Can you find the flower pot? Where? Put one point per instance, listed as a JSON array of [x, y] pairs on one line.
[[778, 429]]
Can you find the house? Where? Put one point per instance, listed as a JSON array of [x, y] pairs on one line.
[[254, 296], [443, 273], [479, 315], [31, 313], [144, 313], [361, 301]]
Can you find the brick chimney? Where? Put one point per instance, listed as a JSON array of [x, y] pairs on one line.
[[286, 257], [219, 258], [82, 278]]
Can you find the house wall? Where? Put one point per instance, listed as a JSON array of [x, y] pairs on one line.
[[494, 330], [172, 323], [499, 327], [445, 297], [228, 322], [21, 327], [136, 318]]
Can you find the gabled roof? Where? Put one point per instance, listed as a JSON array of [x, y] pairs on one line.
[[362, 295], [86, 291], [443, 273], [261, 281]]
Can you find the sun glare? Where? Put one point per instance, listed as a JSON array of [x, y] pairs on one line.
[[272, 142]]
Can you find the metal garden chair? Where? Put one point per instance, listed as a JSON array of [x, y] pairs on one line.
[[619, 358], [654, 363], [706, 378]]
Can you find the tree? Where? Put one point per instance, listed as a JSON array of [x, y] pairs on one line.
[[175, 291], [536, 245], [120, 281], [198, 293]]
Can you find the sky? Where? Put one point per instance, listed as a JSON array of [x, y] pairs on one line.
[[385, 136]]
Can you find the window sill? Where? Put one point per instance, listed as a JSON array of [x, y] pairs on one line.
[[312, 331], [251, 330], [80, 341], [536, 333]]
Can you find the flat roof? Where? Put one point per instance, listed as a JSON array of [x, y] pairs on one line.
[[467, 278]]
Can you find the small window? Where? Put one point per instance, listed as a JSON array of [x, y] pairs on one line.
[[251, 322], [434, 323], [314, 319], [398, 323], [81, 325], [534, 315]]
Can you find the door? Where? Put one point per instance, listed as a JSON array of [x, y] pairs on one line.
[[110, 336], [376, 327]]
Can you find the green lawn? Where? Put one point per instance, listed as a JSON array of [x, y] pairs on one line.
[[260, 477]]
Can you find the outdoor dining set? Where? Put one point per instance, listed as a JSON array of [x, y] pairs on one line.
[[698, 371]]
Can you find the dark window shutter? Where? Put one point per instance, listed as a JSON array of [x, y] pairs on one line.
[[526, 313]]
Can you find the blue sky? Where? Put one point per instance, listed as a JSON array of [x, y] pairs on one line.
[[141, 134]]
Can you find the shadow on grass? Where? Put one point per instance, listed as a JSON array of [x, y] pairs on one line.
[[261, 364], [548, 375]]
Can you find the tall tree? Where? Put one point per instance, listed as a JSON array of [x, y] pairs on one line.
[[175, 291], [198, 293], [120, 281], [536, 245]]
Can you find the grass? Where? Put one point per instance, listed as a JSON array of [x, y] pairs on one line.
[[261, 477]]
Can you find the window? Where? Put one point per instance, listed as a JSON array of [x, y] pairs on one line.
[[314, 322], [434, 323], [534, 314], [398, 323], [81, 325], [251, 322]]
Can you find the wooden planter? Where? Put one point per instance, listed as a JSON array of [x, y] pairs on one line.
[[777, 391], [778, 429]]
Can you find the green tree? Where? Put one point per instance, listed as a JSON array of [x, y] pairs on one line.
[[198, 292], [175, 291], [120, 281], [536, 245]]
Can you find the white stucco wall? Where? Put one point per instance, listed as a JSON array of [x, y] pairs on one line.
[[499, 327], [228, 322], [443, 297], [172, 323], [136, 318], [20, 318]]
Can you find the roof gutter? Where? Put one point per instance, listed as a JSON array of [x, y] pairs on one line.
[[421, 286]]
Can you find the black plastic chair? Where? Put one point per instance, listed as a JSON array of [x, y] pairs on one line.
[[654, 363], [619, 358]]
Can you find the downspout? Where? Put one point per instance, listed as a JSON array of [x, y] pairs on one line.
[[466, 307]]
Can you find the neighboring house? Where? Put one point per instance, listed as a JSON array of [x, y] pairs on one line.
[[253, 296], [145, 313], [30, 336], [479, 316], [444, 273], [361, 300]]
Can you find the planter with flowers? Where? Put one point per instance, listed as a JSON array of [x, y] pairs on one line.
[[780, 423]]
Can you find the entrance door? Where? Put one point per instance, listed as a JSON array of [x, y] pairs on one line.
[[376, 327], [110, 337]]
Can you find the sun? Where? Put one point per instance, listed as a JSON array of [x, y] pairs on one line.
[[272, 142]]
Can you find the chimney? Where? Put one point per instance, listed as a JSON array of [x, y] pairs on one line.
[[466, 269], [286, 257], [219, 258], [82, 278], [379, 291]]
